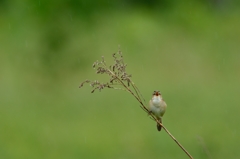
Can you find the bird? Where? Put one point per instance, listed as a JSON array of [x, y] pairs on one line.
[[157, 106]]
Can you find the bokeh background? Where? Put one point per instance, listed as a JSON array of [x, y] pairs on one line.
[[189, 50]]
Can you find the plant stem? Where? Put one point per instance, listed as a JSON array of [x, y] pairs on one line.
[[145, 108]]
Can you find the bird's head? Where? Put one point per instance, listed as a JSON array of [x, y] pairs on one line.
[[157, 93]]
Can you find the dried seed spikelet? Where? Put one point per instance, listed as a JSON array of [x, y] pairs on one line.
[[116, 72], [86, 81]]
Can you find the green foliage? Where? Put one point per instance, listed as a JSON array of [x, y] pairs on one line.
[[189, 52]]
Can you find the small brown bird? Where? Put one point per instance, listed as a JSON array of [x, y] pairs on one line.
[[157, 106]]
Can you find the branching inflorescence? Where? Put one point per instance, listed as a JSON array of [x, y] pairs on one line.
[[121, 80]]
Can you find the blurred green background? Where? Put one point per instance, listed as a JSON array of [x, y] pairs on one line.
[[189, 50]]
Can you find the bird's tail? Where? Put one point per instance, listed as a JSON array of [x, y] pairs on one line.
[[159, 127]]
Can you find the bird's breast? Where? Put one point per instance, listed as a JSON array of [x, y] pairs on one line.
[[156, 102]]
